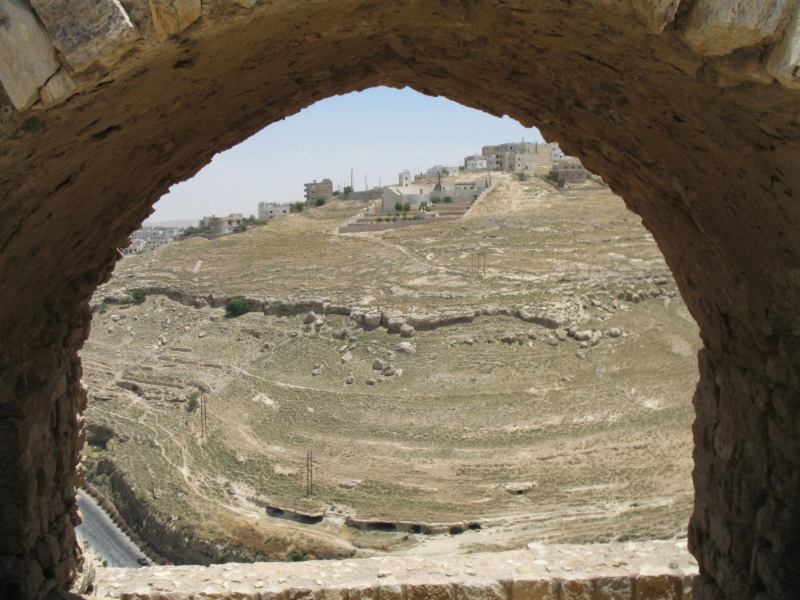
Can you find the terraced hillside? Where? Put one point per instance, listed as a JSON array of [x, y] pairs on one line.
[[549, 400]]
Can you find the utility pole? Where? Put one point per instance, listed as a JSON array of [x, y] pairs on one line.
[[309, 473], [351, 180], [365, 182]]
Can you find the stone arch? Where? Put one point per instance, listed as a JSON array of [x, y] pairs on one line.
[[688, 108]]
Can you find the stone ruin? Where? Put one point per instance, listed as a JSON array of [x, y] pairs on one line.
[[689, 109]]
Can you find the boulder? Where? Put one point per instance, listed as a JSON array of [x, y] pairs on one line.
[[350, 379], [347, 357], [406, 347], [173, 16], [57, 89], [656, 14], [718, 27], [596, 337], [784, 61], [389, 370], [614, 332], [372, 319], [27, 57], [371, 381], [552, 340], [406, 331], [423, 321], [87, 31], [583, 335], [310, 317], [561, 334], [377, 365], [317, 370]]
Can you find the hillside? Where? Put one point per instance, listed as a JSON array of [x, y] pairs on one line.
[[547, 401]]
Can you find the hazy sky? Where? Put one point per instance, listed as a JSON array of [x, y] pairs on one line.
[[377, 133]]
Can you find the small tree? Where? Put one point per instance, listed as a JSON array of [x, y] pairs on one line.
[[423, 206], [347, 189], [435, 200], [236, 306], [297, 207], [447, 199], [319, 202], [398, 206], [240, 228], [406, 206]]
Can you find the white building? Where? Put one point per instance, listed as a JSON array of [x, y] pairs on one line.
[[443, 171], [405, 178], [269, 210], [476, 163]]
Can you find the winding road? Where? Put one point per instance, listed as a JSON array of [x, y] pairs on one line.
[[100, 533]]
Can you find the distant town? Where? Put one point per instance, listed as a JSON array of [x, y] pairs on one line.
[[426, 197]]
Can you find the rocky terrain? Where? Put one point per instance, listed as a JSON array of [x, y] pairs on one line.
[[448, 407]]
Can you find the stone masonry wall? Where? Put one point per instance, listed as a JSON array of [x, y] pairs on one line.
[[633, 571], [689, 109]]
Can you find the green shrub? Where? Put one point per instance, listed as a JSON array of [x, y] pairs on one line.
[[379, 219], [424, 206], [319, 202], [236, 306], [447, 199], [191, 406], [406, 207], [347, 189], [139, 295], [398, 206], [521, 176], [240, 228], [298, 556], [435, 200], [195, 230], [297, 207]]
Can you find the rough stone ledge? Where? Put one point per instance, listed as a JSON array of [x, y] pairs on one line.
[[654, 570]]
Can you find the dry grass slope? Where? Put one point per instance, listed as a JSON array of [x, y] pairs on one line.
[[493, 422]]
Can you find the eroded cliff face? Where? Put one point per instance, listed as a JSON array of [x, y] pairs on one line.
[[688, 109]]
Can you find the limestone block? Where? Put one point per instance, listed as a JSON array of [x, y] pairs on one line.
[[27, 58], [656, 587], [87, 30], [173, 16], [784, 61], [480, 590], [532, 589], [576, 589], [718, 27], [656, 14], [613, 588], [57, 89], [245, 3], [429, 591]]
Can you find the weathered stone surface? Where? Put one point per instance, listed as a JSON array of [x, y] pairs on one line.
[[656, 14], [614, 588], [87, 30], [784, 61], [57, 89], [173, 16], [717, 27], [27, 57]]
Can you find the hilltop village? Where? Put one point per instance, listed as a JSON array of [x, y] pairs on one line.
[[437, 194]]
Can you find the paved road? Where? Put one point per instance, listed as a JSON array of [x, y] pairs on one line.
[[105, 538]]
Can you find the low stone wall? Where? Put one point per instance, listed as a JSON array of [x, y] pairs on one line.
[[655, 570]]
